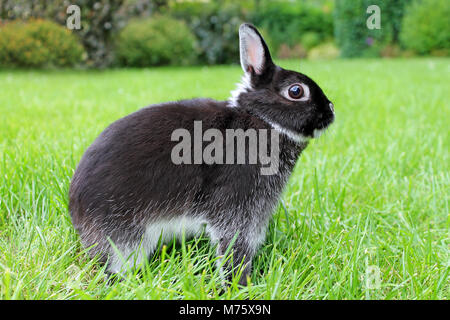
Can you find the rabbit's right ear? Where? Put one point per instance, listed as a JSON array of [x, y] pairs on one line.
[[255, 56]]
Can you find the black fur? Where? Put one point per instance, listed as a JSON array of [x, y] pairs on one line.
[[126, 181]]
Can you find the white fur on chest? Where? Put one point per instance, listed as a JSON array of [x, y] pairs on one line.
[[132, 254], [168, 229]]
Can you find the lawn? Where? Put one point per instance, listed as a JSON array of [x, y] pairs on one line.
[[365, 214]]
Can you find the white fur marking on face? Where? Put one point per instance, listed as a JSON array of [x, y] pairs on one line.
[[242, 87], [251, 50]]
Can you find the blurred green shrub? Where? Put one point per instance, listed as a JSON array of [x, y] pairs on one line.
[[215, 26], [293, 23], [38, 43], [157, 40], [426, 27], [310, 40], [351, 32], [327, 50]]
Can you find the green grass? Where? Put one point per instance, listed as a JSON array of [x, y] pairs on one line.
[[369, 198]]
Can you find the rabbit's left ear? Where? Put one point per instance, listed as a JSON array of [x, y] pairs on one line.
[[255, 56]]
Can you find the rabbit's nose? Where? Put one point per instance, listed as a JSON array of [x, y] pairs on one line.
[[331, 107]]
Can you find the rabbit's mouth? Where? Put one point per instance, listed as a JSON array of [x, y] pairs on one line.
[[318, 132], [322, 127]]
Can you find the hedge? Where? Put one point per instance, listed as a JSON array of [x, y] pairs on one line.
[[38, 43]]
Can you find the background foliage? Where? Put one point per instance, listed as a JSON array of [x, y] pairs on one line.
[[215, 26], [157, 41], [316, 29], [293, 23], [38, 43], [100, 20], [352, 34], [426, 27]]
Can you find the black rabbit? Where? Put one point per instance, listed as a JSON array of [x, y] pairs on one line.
[[128, 190]]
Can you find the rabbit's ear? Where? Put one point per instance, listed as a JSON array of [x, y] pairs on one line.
[[255, 56]]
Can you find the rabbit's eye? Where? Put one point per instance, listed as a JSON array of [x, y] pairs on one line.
[[295, 91]]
